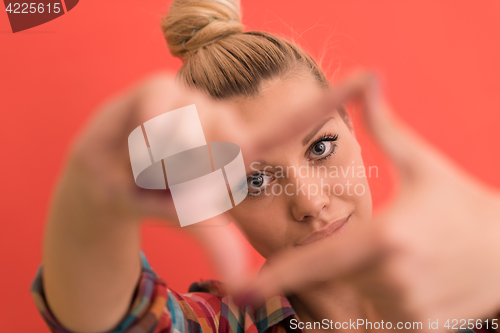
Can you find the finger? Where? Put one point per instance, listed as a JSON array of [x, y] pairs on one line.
[[298, 268], [306, 113], [160, 94], [225, 244], [410, 153], [406, 149], [276, 131], [361, 88], [153, 203]]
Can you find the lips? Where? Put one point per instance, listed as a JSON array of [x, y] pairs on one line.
[[324, 232]]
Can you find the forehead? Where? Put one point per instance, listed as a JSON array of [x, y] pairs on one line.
[[278, 97]]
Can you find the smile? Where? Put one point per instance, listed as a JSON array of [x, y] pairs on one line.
[[332, 228]]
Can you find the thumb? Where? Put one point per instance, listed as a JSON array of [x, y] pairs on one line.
[[298, 268], [225, 245]]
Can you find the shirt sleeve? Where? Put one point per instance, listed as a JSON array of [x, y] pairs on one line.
[[148, 312]]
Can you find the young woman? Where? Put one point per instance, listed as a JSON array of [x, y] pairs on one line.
[[268, 96]]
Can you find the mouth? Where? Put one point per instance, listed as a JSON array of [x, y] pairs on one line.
[[334, 227]]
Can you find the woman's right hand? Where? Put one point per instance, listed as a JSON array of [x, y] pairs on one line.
[[92, 243], [101, 154]]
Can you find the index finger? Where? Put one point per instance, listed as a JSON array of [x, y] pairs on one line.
[[302, 116]]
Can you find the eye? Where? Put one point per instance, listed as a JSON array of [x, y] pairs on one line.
[[322, 148], [258, 182]]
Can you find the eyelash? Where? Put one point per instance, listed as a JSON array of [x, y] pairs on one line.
[[324, 137], [257, 193]]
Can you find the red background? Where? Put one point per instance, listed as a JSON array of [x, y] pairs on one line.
[[439, 61]]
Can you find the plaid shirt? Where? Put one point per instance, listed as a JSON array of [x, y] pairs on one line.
[[205, 308]]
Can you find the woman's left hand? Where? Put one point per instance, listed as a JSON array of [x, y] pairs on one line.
[[434, 253]]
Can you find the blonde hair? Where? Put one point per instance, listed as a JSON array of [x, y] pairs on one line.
[[222, 59]]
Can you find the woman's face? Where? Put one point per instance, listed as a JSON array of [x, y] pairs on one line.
[[310, 188]]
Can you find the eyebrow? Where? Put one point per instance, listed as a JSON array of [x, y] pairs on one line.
[[315, 130]]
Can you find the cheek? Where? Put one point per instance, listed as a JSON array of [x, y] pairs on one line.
[[263, 226], [348, 180]]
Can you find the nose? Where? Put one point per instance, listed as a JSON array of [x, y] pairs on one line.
[[309, 200]]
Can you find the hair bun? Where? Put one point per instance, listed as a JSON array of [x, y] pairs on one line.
[[192, 24]]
